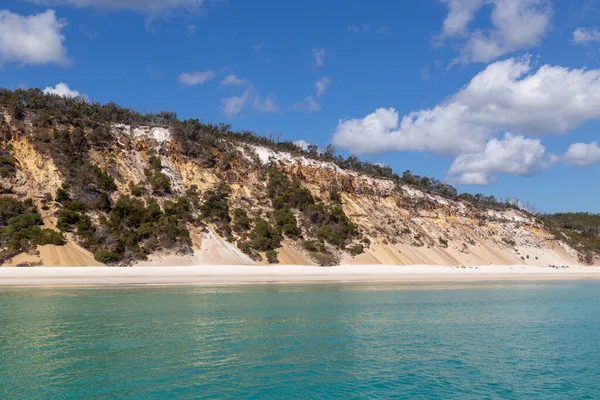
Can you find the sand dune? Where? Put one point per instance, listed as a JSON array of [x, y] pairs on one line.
[[60, 256]]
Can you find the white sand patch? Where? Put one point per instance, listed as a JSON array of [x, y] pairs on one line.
[[158, 133], [213, 250]]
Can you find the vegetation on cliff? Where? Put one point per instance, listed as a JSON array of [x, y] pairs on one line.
[[580, 230], [20, 227], [203, 141], [154, 213]]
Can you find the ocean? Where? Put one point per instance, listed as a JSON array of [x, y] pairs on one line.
[[477, 340]]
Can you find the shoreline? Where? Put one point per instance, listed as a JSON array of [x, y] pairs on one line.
[[209, 275]]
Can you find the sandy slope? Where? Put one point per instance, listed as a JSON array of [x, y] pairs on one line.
[[238, 274], [63, 256], [213, 250]]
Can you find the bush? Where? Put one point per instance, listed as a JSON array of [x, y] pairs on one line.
[[106, 256], [10, 208], [22, 230], [241, 221], [272, 257], [137, 191], [356, 249], [215, 207], [49, 236], [286, 221], [62, 196], [67, 219], [264, 237], [160, 183], [155, 163]]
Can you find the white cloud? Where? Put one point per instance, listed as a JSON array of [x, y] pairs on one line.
[[303, 144], [319, 55], [233, 80], [460, 14], [322, 85], [34, 39], [232, 106], [583, 154], [195, 78], [359, 28], [308, 105], [62, 89], [503, 97], [585, 35], [516, 25], [265, 104], [515, 155], [144, 6]]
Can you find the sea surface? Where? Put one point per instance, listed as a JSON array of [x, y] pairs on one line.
[[463, 341]]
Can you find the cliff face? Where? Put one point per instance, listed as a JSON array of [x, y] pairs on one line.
[[399, 225]]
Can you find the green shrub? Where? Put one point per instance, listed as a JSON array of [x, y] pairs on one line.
[[264, 237], [286, 221], [106, 256], [215, 207], [62, 196], [155, 163], [67, 219], [356, 249], [272, 257], [137, 191], [160, 183], [241, 221], [10, 208], [49, 236]]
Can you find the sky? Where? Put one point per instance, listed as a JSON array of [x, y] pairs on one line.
[[500, 97]]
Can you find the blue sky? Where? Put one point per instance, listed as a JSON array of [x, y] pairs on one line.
[[496, 96]]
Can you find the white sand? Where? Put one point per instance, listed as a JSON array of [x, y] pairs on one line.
[[246, 274]]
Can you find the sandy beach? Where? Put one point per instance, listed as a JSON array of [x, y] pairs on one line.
[[245, 274]]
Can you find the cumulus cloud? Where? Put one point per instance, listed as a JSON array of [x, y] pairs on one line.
[[515, 25], [585, 35], [308, 105], [515, 155], [319, 55], [583, 154], [144, 6], [232, 106], [303, 144], [322, 85], [195, 78], [33, 39], [62, 89], [233, 80], [506, 96], [265, 104]]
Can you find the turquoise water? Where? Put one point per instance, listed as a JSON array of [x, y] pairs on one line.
[[320, 341]]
